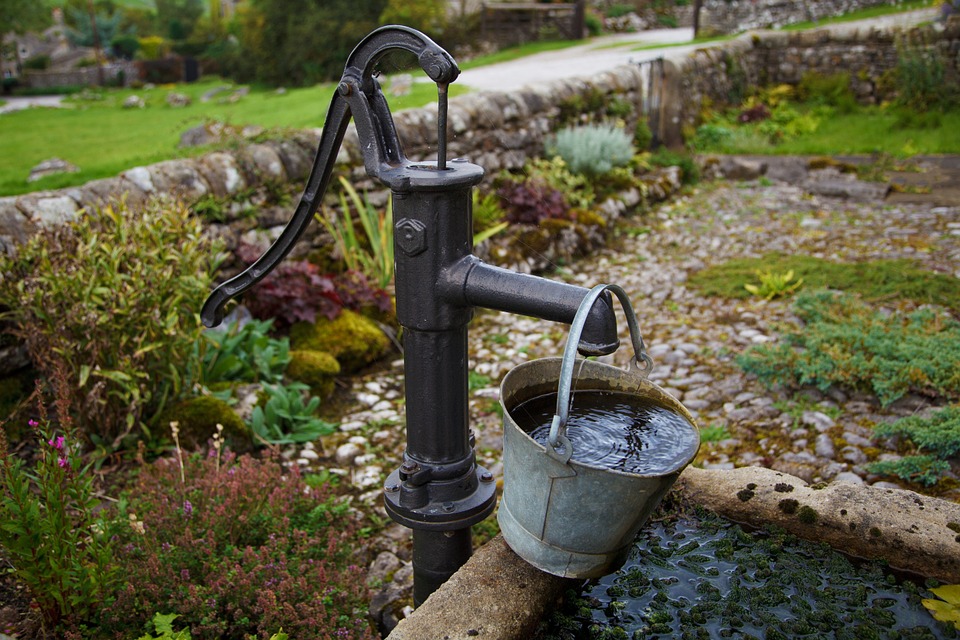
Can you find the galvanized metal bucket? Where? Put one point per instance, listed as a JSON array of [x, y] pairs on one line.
[[564, 517]]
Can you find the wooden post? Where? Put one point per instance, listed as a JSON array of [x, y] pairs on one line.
[[580, 20], [697, 4]]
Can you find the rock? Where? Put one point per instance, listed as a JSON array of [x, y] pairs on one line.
[[853, 455], [824, 446], [909, 531], [50, 167], [849, 477], [401, 84], [507, 599], [818, 420], [383, 567], [200, 135], [134, 102], [346, 453], [178, 100], [737, 168], [210, 94]]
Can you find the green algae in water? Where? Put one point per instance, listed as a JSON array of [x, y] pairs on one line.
[[711, 579]]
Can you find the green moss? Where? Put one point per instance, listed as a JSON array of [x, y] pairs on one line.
[[954, 526], [783, 487], [354, 340], [318, 369], [198, 419], [788, 506], [874, 280], [807, 515]]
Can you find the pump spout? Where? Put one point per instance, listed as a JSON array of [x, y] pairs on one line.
[[474, 283]]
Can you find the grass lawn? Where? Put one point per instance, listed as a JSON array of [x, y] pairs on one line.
[[103, 139], [868, 130]]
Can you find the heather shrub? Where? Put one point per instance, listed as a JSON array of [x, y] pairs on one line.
[[531, 202], [592, 150], [237, 548], [844, 342], [112, 300]]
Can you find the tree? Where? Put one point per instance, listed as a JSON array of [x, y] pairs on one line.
[[177, 18], [301, 42], [18, 16], [428, 16]]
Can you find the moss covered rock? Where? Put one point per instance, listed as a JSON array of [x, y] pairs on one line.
[[198, 419], [354, 340], [318, 369]]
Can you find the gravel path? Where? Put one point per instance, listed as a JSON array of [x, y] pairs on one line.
[[692, 339]]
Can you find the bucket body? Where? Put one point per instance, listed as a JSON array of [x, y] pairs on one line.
[[567, 518]]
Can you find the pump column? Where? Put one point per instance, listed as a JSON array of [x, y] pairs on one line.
[[438, 491]]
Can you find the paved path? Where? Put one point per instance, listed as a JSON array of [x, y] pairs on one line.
[[17, 103], [607, 52]]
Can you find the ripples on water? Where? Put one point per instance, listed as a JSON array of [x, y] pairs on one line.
[[614, 430]]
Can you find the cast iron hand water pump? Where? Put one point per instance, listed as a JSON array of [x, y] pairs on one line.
[[439, 491]]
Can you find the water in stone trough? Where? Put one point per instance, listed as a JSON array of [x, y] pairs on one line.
[[704, 577]]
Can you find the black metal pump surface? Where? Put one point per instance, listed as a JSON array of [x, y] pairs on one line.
[[439, 491]]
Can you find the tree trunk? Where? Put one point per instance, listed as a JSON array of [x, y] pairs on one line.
[[697, 4]]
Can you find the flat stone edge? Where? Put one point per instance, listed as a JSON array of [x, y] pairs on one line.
[[495, 595], [498, 595], [911, 532]]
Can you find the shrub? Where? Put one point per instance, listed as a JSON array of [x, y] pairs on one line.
[[240, 549], [112, 300], [689, 171], [53, 533], [592, 150], [939, 434], [921, 80], [294, 292], [531, 202], [935, 438], [828, 90], [577, 189], [642, 136], [846, 343]]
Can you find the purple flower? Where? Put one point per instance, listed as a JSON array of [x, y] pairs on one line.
[[187, 509], [62, 462], [33, 423], [184, 574], [57, 443]]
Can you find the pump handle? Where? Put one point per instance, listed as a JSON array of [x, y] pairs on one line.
[[358, 95]]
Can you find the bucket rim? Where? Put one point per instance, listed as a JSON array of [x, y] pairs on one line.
[[643, 381]]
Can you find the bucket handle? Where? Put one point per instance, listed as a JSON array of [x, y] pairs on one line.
[[560, 447]]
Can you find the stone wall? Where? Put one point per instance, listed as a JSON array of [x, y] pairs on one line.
[[721, 74], [495, 130], [734, 16]]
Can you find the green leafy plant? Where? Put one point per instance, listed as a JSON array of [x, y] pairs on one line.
[[925, 470], [372, 255], [577, 189], [714, 433], [488, 216], [844, 342], [774, 285], [947, 607], [936, 439], [243, 353], [284, 418], [592, 150], [52, 531], [112, 300], [689, 171], [163, 628]]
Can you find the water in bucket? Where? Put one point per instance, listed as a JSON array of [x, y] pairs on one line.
[[614, 430]]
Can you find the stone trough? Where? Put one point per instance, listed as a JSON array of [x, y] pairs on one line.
[[497, 595]]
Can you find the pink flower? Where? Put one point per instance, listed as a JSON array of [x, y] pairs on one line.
[[33, 423], [56, 443], [62, 462], [187, 509]]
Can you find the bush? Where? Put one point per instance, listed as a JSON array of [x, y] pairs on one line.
[[689, 171], [243, 354], [831, 90], [592, 150], [846, 343], [938, 434], [112, 299], [54, 535], [921, 80], [240, 549], [531, 202]]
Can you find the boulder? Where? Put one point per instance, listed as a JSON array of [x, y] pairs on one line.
[[50, 167]]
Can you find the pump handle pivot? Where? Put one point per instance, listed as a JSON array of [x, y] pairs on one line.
[[358, 95]]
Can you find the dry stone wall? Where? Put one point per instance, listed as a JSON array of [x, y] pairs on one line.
[[495, 130], [734, 16], [721, 74]]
